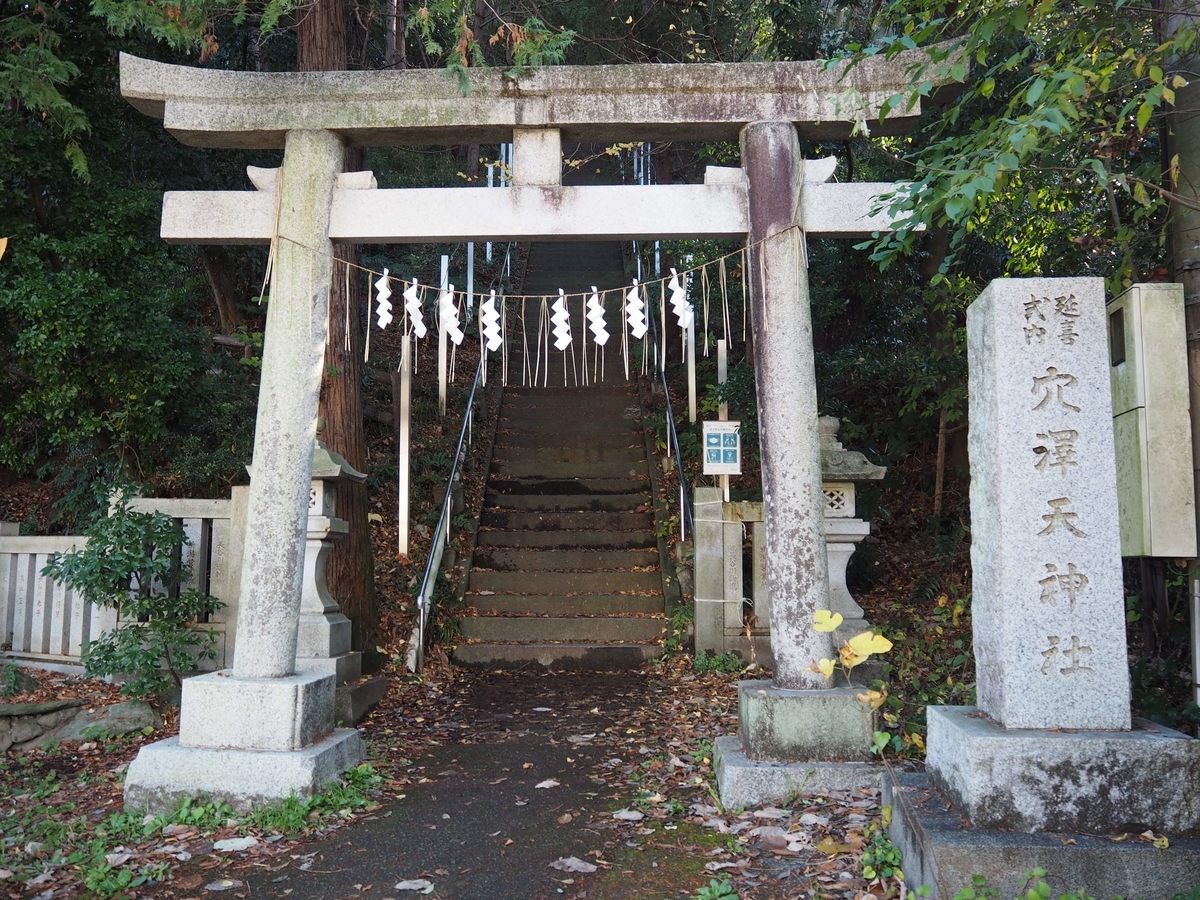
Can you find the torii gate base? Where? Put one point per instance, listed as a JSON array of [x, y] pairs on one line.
[[261, 731]]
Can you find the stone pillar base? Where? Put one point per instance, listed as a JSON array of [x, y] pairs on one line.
[[944, 852], [780, 725], [743, 782], [1094, 782], [165, 774], [218, 711]]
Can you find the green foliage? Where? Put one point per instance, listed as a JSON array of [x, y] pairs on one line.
[[1056, 122], [717, 662], [131, 563], [717, 890], [9, 679], [881, 858]]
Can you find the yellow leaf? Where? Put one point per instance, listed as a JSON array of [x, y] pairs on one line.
[[1161, 842], [850, 658], [375, 517], [874, 699], [629, 21], [825, 667], [869, 642], [917, 741], [824, 620], [1179, 81], [3, 246], [832, 847], [1168, 95]]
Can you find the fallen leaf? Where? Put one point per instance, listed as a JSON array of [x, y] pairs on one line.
[[548, 783], [416, 884], [572, 864], [628, 815], [564, 818], [236, 844], [223, 884]]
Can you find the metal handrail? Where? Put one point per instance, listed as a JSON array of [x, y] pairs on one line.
[[416, 654], [686, 519]]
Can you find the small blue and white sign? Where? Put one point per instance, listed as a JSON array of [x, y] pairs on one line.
[[722, 448]]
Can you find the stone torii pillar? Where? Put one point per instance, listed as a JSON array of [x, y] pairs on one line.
[[798, 729], [263, 731]]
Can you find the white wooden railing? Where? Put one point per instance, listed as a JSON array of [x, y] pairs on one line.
[[44, 623]]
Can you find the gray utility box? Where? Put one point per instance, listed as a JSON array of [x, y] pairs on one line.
[[1151, 424]]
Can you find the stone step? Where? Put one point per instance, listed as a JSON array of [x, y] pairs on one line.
[[584, 657], [604, 389], [594, 487], [616, 403], [597, 427], [501, 560], [570, 521], [567, 502], [574, 454], [559, 605], [614, 439], [566, 539], [540, 629], [565, 582], [528, 468]]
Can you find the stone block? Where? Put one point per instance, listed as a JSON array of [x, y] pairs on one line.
[[345, 668], [326, 634], [113, 720], [165, 774], [220, 711], [785, 725], [354, 701], [1095, 782], [1048, 605], [943, 851], [743, 782]]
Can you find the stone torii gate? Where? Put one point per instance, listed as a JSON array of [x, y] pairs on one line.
[[261, 730]]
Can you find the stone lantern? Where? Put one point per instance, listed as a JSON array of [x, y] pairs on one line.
[[323, 639], [841, 469]]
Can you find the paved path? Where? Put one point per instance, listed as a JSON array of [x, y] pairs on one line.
[[480, 829]]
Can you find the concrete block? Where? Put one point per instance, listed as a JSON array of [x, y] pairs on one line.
[[219, 710], [943, 851], [165, 774], [537, 156], [1096, 782], [744, 782], [323, 634], [354, 701], [785, 725], [345, 667]]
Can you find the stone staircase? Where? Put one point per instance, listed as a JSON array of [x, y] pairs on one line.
[[566, 567]]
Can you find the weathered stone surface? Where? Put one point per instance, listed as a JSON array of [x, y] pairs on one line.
[[37, 709], [293, 357], [22, 682], [793, 503], [743, 782], [354, 701], [1096, 782], [1048, 606], [220, 108], [119, 718], [166, 773], [944, 851], [828, 725], [220, 711]]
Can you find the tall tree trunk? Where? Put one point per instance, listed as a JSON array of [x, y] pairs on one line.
[[217, 266], [321, 35]]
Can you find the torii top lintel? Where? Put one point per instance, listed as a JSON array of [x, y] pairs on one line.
[[711, 101]]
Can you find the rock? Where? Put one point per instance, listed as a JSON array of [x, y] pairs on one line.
[[19, 682], [120, 718], [37, 709]]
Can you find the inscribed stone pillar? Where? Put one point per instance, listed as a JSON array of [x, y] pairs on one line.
[[793, 504], [293, 356], [1047, 608]]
